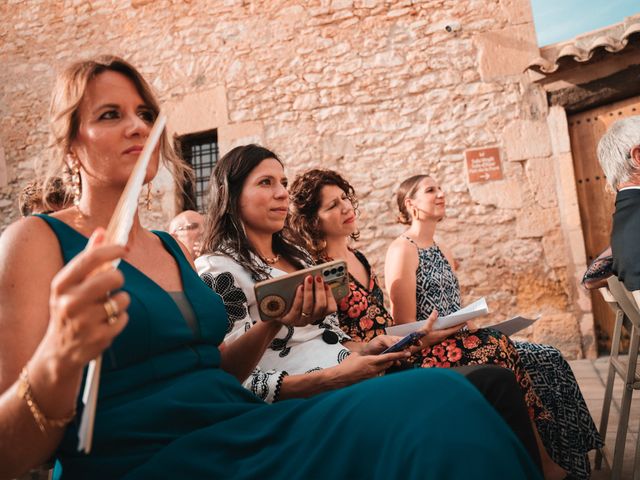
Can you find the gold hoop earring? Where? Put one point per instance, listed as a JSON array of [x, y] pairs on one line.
[[149, 196], [74, 172]]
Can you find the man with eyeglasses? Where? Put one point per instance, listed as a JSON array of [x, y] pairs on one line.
[[619, 157], [188, 228]]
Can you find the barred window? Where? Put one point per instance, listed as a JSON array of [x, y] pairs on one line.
[[200, 150]]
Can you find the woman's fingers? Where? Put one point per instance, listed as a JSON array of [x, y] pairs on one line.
[[320, 302], [313, 301], [384, 358], [428, 326], [307, 299], [389, 340], [96, 238], [294, 313], [446, 332], [103, 311], [94, 288], [332, 306]]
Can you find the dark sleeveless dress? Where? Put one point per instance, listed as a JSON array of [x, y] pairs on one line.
[[572, 432], [167, 410], [363, 316]]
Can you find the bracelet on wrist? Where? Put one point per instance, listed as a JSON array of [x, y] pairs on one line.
[[43, 423]]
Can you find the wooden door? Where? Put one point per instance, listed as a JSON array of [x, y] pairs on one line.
[[595, 200]]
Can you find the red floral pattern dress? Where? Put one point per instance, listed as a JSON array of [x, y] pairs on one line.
[[363, 316], [361, 313]]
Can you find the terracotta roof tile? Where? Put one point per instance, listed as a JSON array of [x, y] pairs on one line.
[[588, 47]]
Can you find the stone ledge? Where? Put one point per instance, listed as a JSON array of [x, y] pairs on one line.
[[506, 52]]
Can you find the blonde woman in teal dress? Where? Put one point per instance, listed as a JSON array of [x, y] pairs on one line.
[[171, 404]]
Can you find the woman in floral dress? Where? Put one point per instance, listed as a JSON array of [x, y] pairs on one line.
[[323, 221]]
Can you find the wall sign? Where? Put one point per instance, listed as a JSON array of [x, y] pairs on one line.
[[483, 164]]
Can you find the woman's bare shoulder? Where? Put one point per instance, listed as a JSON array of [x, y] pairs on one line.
[[29, 231], [29, 242], [400, 246]]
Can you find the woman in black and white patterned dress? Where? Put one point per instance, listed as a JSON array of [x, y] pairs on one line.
[[420, 277], [243, 244]]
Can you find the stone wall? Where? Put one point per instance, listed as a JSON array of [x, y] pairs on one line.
[[376, 89]]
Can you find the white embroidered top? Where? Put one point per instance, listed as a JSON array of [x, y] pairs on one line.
[[294, 350]]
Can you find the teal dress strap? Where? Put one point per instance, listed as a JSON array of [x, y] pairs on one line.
[[74, 242]]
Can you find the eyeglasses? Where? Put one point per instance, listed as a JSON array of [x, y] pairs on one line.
[[188, 226]]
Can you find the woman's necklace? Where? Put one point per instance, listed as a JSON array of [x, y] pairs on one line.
[[272, 260]]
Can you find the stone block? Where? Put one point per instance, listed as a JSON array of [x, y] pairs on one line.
[[517, 11], [555, 249], [559, 130], [560, 330], [230, 136], [501, 193], [587, 330], [534, 222], [341, 4], [582, 295], [506, 52], [567, 192], [4, 180], [520, 251], [525, 139], [575, 240], [197, 112], [337, 146], [541, 177]]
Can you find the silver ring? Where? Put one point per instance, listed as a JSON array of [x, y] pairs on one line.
[[305, 315], [111, 309]]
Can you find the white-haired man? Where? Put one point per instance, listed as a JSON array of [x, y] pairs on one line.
[[619, 156], [188, 228]]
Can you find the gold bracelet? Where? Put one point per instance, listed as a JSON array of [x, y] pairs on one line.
[[24, 391]]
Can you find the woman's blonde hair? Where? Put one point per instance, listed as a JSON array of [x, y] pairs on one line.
[[64, 117], [407, 189]]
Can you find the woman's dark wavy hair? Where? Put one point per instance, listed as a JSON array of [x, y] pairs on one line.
[[224, 232], [303, 224]]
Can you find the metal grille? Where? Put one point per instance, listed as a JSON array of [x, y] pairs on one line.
[[201, 151]]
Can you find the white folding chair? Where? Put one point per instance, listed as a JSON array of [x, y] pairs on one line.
[[626, 309]]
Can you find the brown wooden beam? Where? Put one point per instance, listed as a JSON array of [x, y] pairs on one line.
[[620, 85]]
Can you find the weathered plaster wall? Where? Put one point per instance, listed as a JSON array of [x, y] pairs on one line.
[[376, 89]]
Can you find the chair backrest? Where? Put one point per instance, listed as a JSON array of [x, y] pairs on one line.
[[625, 299]]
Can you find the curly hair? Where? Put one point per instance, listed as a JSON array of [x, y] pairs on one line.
[[303, 224], [224, 231], [407, 189]]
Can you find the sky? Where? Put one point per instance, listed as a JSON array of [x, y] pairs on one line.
[[558, 20]]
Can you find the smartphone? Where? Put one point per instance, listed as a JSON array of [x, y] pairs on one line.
[[275, 296], [404, 342]]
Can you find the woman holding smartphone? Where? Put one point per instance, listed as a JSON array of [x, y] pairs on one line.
[[170, 401], [324, 220], [245, 244]]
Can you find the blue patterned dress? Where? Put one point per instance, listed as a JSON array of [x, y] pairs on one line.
[[572, 432]]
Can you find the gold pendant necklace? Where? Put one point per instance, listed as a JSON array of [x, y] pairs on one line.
[[272, 260]]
